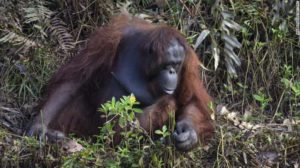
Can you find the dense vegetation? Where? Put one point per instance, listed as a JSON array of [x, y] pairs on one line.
[[250, 52]]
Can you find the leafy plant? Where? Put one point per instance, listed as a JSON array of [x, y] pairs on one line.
[[262, 99], [163, 132], [120, 112], [135, 146], [292, 89]]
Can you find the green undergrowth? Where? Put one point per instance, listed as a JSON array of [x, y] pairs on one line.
[[258, 145], [26, 77]]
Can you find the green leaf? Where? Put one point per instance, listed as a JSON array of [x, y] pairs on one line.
[[137, 110], [164, 128], [258, 98], [122, 122], [286, 82], [158, 132]]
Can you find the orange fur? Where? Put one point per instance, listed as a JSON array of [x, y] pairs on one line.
[[89, 70]]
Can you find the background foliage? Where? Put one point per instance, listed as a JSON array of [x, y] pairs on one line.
[[251, 56]]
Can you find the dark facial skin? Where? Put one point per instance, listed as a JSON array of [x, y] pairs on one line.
[[168, 76], [130, 73]]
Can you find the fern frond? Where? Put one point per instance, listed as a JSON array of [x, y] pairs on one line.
[[45, 21], [37, 13], [16, 39], [59, 30]]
